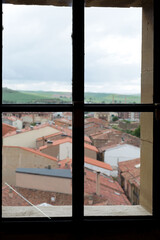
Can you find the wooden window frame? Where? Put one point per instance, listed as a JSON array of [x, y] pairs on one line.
[[78, 108]]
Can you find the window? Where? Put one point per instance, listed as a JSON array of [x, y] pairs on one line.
[[149, 104], [32, 74]]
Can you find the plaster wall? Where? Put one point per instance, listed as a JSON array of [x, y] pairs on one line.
[[44, 183], [89, 153], [13, 158], [65, 150]]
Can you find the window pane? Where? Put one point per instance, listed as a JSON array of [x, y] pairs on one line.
[[37, 164], [37, 54], [118, 156], [113, 55]]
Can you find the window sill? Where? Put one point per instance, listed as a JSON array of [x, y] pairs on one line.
[[66, 211]]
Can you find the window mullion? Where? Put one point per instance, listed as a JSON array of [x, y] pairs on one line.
[[78, 111]]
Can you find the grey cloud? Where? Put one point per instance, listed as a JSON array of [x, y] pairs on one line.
[[37, 45]]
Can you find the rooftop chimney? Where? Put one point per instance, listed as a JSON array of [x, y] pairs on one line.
[[98, 183]]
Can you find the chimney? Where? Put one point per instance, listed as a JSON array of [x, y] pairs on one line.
[[67, 162], [10, 193], [98, 183]]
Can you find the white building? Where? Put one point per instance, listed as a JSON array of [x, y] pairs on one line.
[[13, 121], [120, 153], [27, 138], [65, 150]]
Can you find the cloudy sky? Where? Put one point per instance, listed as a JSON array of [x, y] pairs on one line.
[[37, 49]]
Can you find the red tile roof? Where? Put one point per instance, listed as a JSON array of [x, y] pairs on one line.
[[10, 198], [110, 190], [36, 197], [91, 147], [87, 139], [104, 148], [130, 170], [68, 132], [6, 128], [64, 140], [63, 120], [98, 163], [27, 130], [95, 120], [48, 136], [86, 160], [66, 163], [105, 134], [33, 151]]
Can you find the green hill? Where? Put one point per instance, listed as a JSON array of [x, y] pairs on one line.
[[111, 98], [10, 96]]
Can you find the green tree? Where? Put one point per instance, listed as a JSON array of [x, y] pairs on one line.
[[137, 132], [115, 118]]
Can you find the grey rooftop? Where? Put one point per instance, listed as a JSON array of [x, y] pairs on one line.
[[63, 173]]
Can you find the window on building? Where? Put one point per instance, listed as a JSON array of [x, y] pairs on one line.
[[148, 106]]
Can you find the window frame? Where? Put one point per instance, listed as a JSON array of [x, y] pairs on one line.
[[78, 108]]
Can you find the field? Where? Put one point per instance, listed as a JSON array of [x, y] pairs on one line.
[[33, 97], [10, 96], [111, 98]]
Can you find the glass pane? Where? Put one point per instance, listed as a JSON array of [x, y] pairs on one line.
[[113, 55], [118, 152], [37, 54], [37, 164]]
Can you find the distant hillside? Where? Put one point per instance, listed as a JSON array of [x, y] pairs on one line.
[[111, 98], [10, 96]]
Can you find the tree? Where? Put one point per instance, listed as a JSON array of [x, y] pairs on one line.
[[136, 132], [115, 118]]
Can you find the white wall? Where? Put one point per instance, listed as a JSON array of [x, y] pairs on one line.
[[27, 119], [120, 153], [18, 124], [65, 150]]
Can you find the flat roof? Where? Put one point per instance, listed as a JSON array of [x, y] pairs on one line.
[[62, 173]]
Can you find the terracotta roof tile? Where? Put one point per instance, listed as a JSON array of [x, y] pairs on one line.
[[95, 120], [105, 134], [33, 151], [6, 128], [28, 130], [10, 198], [110, 190], [86, 160], [64, 140], [130, 170], [48, 136], [98, 163]]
